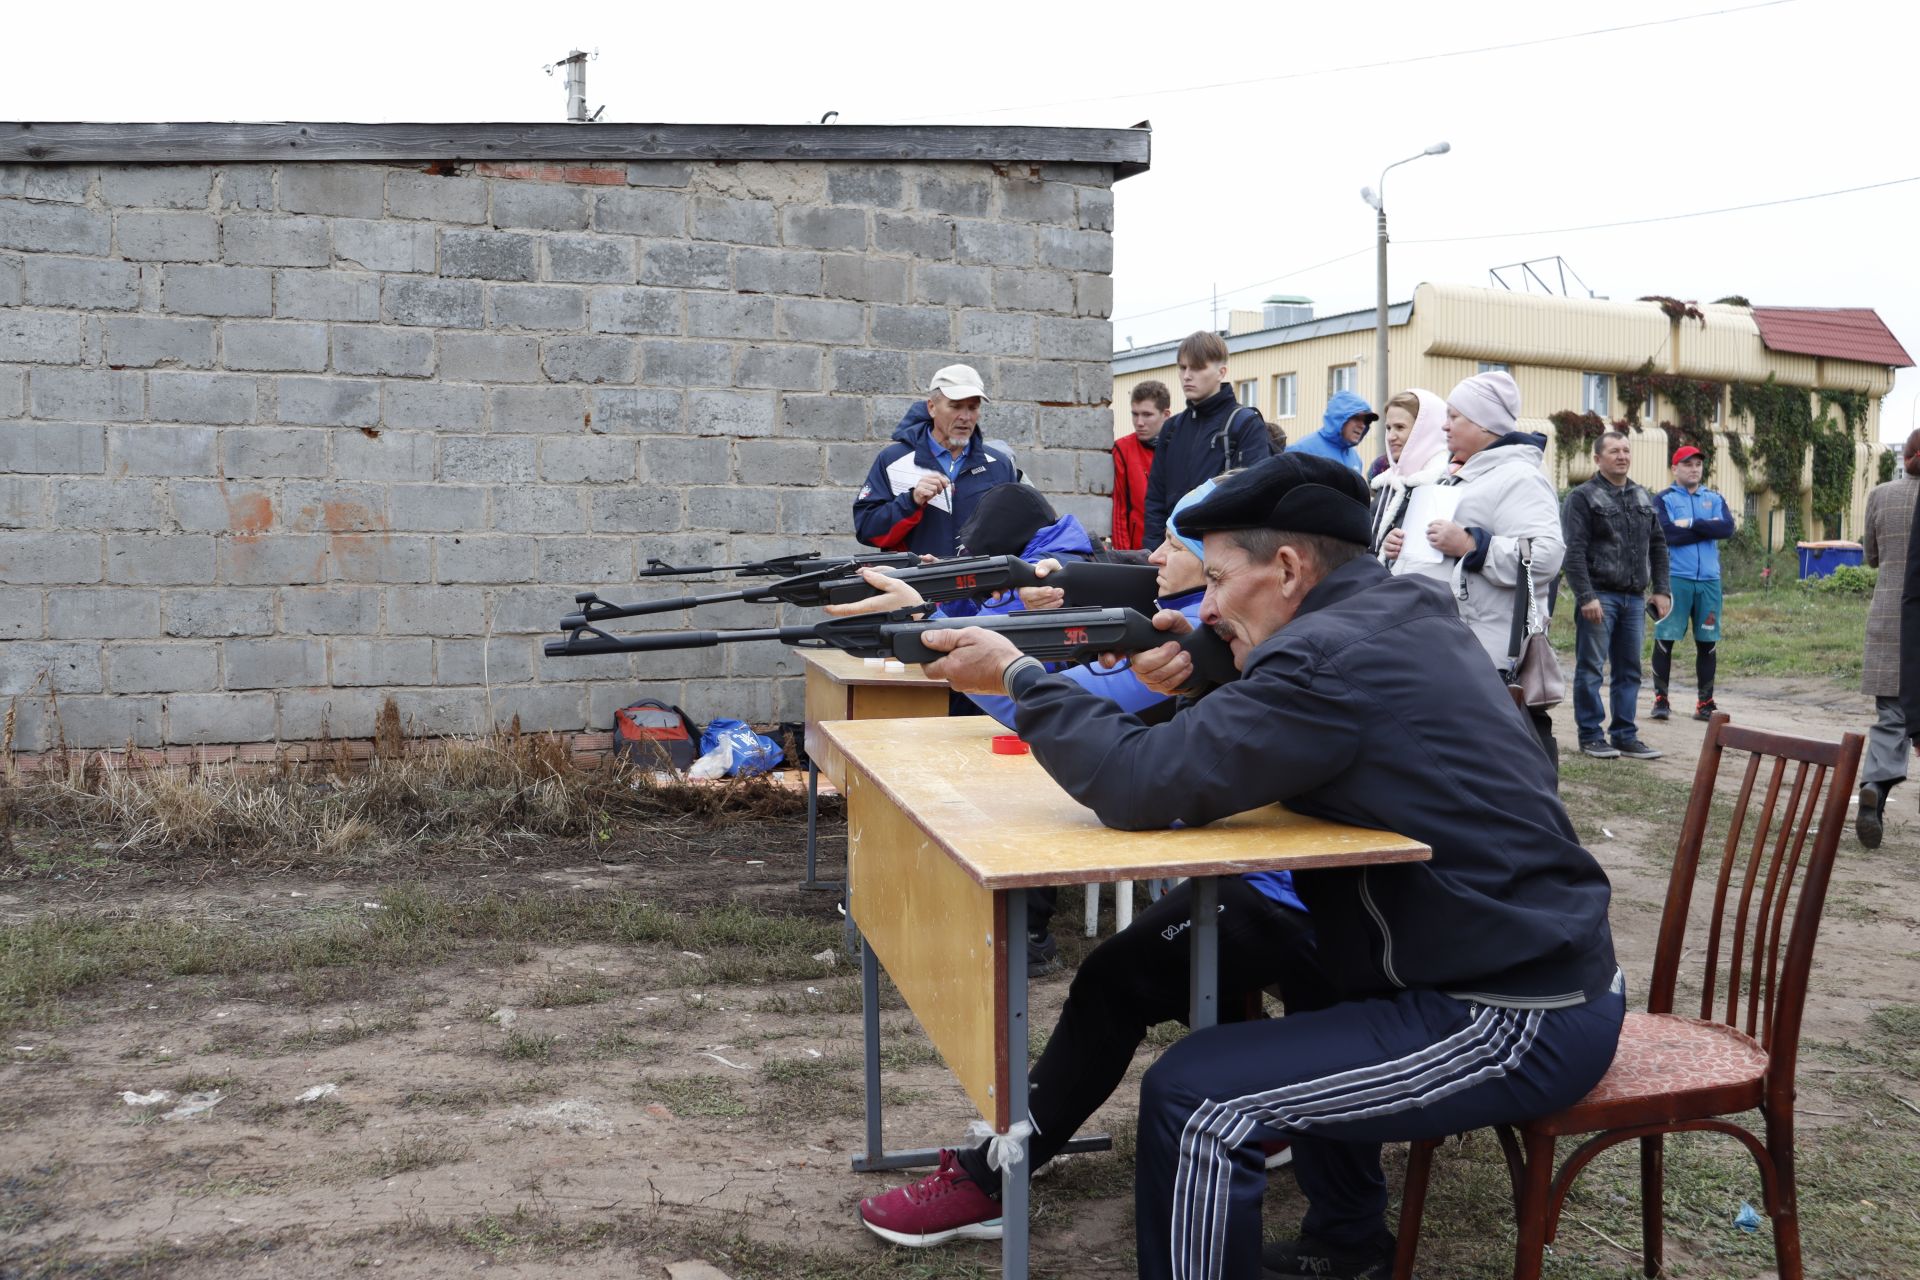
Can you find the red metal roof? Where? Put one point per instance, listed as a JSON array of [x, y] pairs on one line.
[[1843, 333]]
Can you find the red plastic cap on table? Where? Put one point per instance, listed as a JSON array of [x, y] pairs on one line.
[[1009, 744]]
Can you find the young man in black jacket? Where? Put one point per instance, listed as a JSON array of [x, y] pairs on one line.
[[1214, 433], [1477, 988]]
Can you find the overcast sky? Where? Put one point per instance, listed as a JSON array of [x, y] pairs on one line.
[[1262, 138]]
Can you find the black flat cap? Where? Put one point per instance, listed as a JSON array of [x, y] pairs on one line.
[[1295, 492]]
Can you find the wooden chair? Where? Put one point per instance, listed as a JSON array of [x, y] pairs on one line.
[[1674, 1072]]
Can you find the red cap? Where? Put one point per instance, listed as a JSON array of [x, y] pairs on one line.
[[1684, 452], [1009, 744]]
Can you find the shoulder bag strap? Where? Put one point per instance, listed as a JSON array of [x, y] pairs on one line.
[[1522, 608]]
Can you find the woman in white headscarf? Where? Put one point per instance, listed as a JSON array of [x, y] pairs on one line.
[[1416, 454]]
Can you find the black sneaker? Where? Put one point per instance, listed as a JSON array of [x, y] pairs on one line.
[[1704, 709], [1325, 1261], [1870, 823], [1599, 749], [1662, 709], [1634, 749], [1043, 954]]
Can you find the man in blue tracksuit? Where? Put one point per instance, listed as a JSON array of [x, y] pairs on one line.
[[1342, 427], [1477, 988], [1694, 520], [922, 487]]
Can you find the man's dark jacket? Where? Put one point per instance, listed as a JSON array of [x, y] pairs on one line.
[[1910, 641], [1613, 540], [1195, 445], [1332, 718], [885, 514]]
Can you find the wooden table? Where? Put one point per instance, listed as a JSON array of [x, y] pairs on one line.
[[843, 687], [943, 837]]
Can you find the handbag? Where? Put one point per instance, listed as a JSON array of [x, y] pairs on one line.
[[1532, 666]]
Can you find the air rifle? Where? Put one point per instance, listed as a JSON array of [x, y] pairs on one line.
[[784, 566], [1086, 584]]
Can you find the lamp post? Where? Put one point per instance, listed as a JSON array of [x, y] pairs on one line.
[[1377, 198]]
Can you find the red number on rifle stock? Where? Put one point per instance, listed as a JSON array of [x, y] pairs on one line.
[[1076, 635], [965, 581]]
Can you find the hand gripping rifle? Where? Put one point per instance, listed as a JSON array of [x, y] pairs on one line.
[[1087, 584], [785, 566]]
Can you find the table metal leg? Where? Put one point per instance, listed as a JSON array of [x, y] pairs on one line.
[[870, 1032], [1203, 978], [1093, 908], [813, 831], [1014, 1210], [1122, 905]]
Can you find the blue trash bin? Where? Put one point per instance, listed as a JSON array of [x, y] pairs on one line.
[[1820, 559]]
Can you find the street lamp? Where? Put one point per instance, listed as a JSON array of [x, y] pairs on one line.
[[1377, 198]]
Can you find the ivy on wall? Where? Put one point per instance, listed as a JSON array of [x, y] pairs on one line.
[[1676, 309], [1783, 431], [1574, 433], [1887, 465], [1694, 401]]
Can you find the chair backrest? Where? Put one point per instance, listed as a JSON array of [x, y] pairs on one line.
[[1769, 883]]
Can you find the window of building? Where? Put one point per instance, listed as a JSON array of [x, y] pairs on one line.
[[1596, 393], [1650, 411], [1495, 366], [1286, 395], [1342, 377], [1248, 392], [1716, 407]]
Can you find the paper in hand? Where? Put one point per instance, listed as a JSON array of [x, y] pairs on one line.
[[1427, 503], [903, 474]]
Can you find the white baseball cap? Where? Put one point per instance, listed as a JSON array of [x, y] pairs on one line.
[[957, 382]]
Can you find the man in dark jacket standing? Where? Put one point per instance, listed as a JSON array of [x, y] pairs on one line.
[[922, 487], [1474, 989], [1614, 552], [1214, 433]]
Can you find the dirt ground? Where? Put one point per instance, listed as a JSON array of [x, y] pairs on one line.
[[590, 1109]]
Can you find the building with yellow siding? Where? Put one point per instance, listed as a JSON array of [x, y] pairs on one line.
[[1730, 377]]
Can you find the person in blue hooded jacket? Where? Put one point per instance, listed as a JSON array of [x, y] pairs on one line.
[[1016, 520], [923, 486], [1342, 428]]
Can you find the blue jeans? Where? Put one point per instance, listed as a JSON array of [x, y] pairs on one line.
[[1614, 640]]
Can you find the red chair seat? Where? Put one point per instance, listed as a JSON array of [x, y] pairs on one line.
[[1661, 1060]]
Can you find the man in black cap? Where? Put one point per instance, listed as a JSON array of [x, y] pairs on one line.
[[1476, 988]]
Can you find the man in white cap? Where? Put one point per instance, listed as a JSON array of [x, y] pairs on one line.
[[922, 487]]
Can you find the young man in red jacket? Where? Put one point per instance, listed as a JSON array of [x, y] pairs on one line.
[[1132, 460]]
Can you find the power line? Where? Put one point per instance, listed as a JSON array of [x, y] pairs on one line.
[[1300, 271], [1367, 66]]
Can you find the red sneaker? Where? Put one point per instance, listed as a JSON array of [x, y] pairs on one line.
[[944, 1205]]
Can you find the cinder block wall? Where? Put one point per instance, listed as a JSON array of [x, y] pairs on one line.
[[277, 441]]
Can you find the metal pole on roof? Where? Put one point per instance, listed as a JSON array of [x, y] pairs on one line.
[[1377, 198]]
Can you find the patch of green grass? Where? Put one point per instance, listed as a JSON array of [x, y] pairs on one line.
[[348, 1032], [699, 1096], [522, 1046], [412, 1152], [1790, 632], [563, 993], [816, 1087], [1898, 1023]]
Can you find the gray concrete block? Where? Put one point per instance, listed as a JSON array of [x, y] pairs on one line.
[[685, 266], [331, 611], [751, 663], [381, 558], [159, 559], [111, 613], [1093, 294], [489, 357], [816, 511], [847, 464], [202, 397], [734, 509], [783, 368], [484, 558], [582, 359], [81, 722], [486, 460], [329, 402], [333, 507], [40, 338], [1063, 339], [640, 213], [142, 342], [864, 279], [1024, 199], [271, 560], [638, 510], [310, 715], [88, 284], [251, 240], [749, 700], [1037, 380], [13, 392], [23, 500], [149, 450], [95, 503], [548, 708], [274, 451], [52, 448], [1096, 208], [965, 197], [870, 372], [243, 186], [824, 228], [193, 718], [867, 185], [48, 228], [489, 255], [327, 295], [91, 395], [990, 333], [913, 328], [33, 666], [656, 173], [999, 244], [12, 283], [1053, 471], [65, 183], [734, 221], [728, 315], [384, 246], [435, 508], [532, 306], [730, 413], [778, 462], [699, 461], [1017, 424], [589, 562], [687, 364], [1074, 250], [836, 417], [221, 506], [280, 663], [789, 271], [1076, 428], [1033, 291], [952, 286], [915, 237], [805, 320], [389, 352], [443, 304], [538, 508], [639, 410], [1096, 471], [217, 291], [537, 409], [440, 712], [272, 345], [596, 259], [436, 198], [503, 661], [632, 310], [587, 460], [163, 668], [351, 191], [541, 206], [430, 406], [222, 611]]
